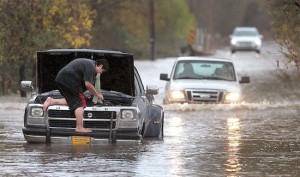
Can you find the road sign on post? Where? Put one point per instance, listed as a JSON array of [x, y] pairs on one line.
[[192, 37]]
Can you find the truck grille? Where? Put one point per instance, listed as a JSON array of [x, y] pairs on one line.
[[204, 96], [245, 44], [92, 119], [61, 114]]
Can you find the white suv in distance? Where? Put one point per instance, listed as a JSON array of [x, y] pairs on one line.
[[245, 39], [202, 80]]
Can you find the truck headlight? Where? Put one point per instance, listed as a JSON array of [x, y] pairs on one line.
[[176, 95], [128, 119], [128, 114], [233, 42], [36, 112], [36, 116], [258, 42], [232, 97]]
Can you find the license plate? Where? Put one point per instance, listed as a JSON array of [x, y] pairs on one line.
[[81, 140]]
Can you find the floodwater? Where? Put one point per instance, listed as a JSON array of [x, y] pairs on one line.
[[259, 137]]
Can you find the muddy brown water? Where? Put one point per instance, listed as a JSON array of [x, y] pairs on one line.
[[259, 137]]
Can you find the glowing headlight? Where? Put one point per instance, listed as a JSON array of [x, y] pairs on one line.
[[233, 41], [176, 95], [127, 114], [232, 97], [258, 42], [37, 112]]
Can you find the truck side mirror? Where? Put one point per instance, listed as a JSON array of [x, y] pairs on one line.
[[244, 80], [27, 86], [164, 76]]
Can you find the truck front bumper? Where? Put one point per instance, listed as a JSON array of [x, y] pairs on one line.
[[37, 135]]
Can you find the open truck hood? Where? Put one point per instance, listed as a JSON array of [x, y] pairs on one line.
[[120, 76]]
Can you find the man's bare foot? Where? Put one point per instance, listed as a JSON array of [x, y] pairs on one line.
[[46, 103], [83, 130]]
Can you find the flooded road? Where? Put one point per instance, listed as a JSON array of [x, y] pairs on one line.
[[259, 137]]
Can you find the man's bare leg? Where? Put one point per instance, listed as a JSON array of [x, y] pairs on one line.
[[51, 101], [79, 121]]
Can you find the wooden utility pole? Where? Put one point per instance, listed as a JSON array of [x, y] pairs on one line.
[[152, 29]]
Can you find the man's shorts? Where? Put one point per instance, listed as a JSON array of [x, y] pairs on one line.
[[74, 99]]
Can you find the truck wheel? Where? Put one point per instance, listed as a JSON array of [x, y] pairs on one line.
[[114, 137], [162, 127], [143, 130]]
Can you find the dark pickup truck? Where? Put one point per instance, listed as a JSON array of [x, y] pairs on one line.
[[127, 114]]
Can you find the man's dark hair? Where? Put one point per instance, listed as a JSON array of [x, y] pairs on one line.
[[103, 62]]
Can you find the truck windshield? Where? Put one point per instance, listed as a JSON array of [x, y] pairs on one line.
[[214, 70]]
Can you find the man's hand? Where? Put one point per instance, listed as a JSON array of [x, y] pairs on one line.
[[92, 89], [100, 96], [88, 97]]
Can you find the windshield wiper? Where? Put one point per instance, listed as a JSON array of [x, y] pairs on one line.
[[216, 78], [213, 78], [186, 78]]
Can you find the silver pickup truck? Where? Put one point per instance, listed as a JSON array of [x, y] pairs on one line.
[[203, 80], [127, 114]]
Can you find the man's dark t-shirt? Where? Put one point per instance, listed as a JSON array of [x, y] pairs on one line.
[[75, 73]]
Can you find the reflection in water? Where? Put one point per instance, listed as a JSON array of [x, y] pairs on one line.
[[176, 159], [232, 164], [80, 160], [175, 128], [262, 105]]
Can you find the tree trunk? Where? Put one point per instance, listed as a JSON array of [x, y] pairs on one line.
[[21, 76], [2, 76], [2, 85]]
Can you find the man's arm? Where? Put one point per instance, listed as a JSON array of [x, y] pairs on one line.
[[92, 89]]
